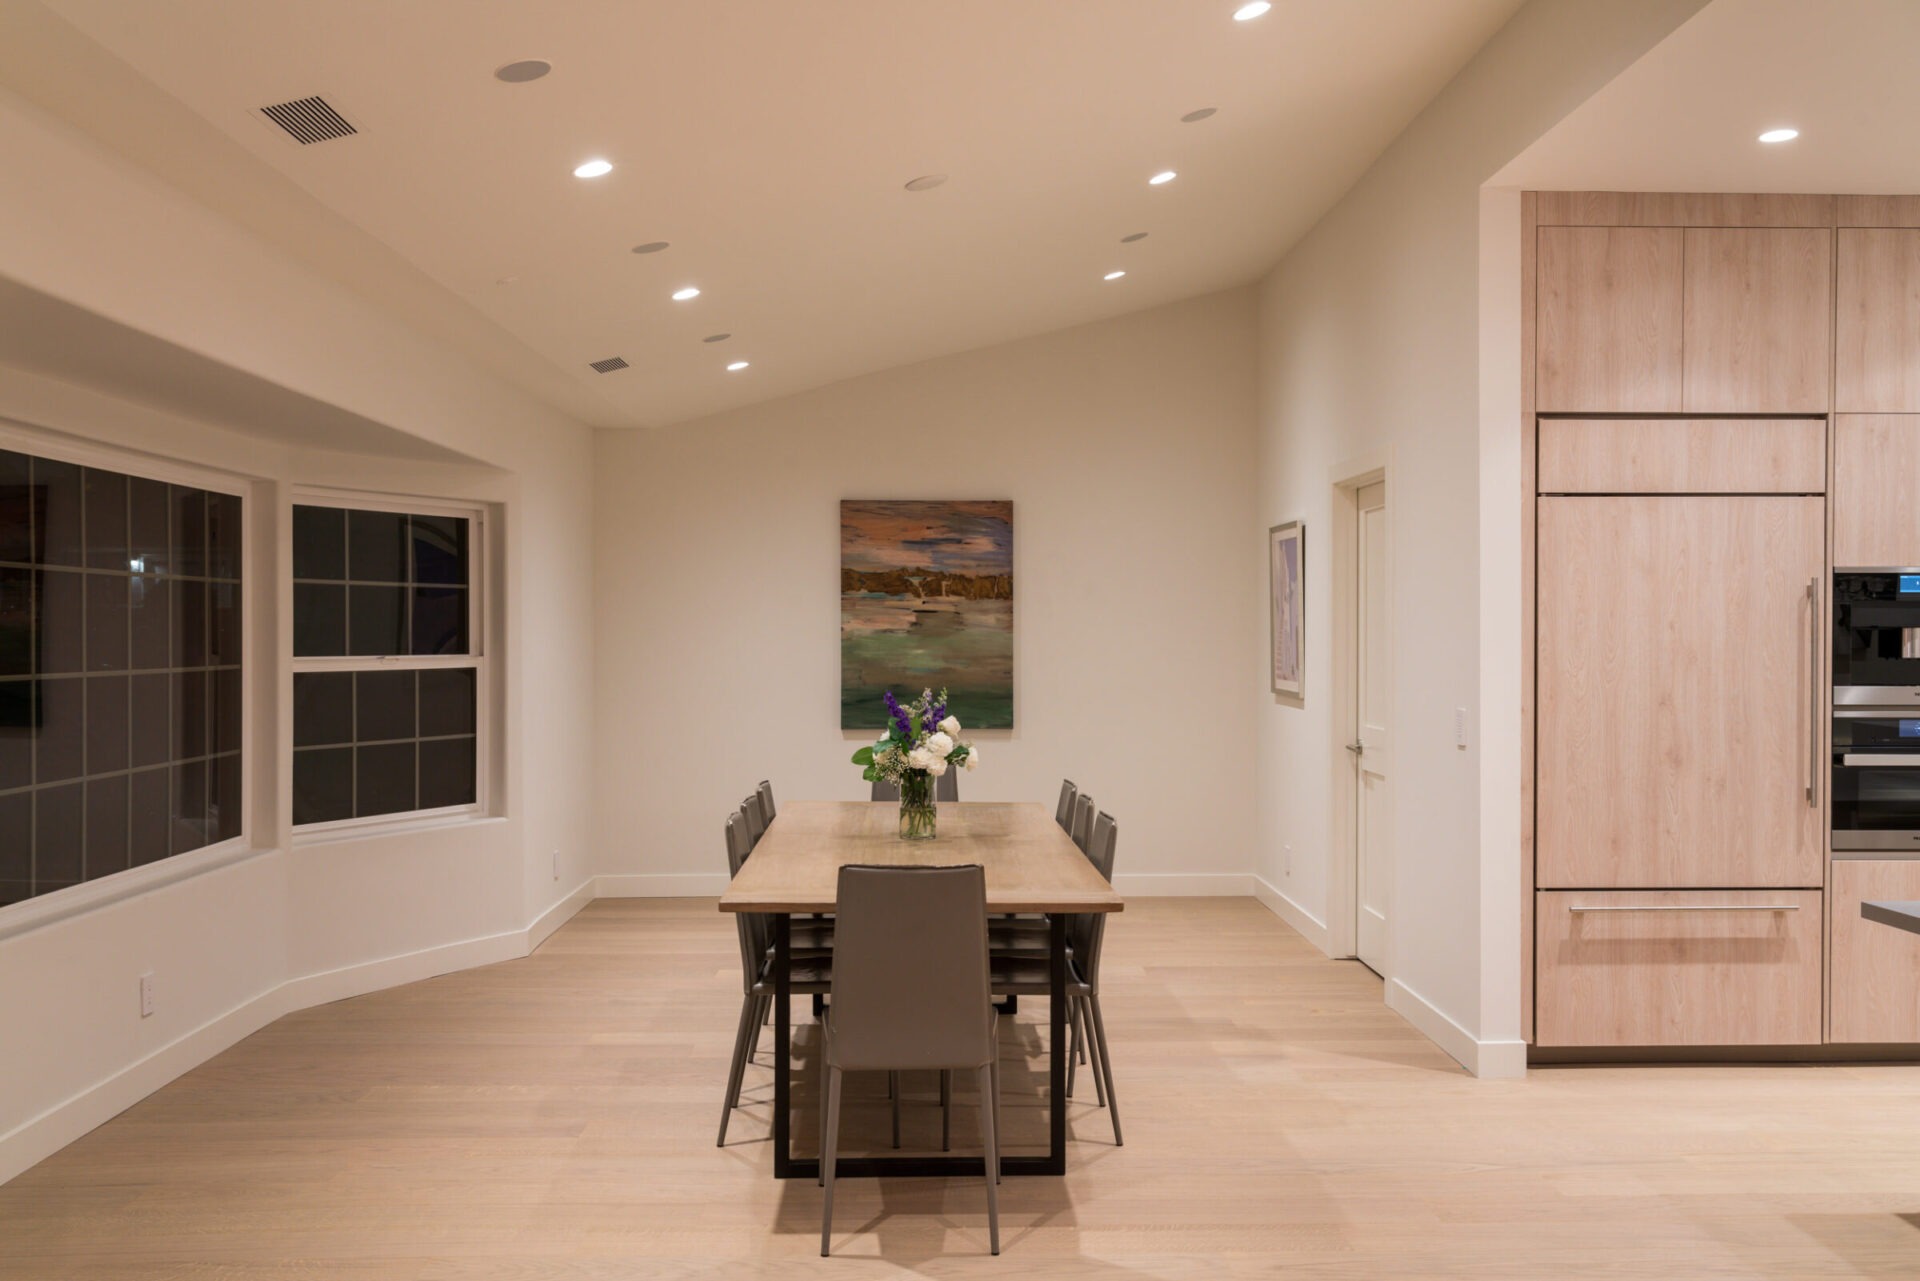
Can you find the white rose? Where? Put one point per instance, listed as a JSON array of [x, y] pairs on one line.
[[937, 766], [919, 758], [973, 758], [950, 726], [938, 745]]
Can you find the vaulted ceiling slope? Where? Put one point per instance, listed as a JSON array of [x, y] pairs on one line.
[[769, 146]]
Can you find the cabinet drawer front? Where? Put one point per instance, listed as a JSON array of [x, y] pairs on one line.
[[1688, 456], [1875, 977], [1699, 967]]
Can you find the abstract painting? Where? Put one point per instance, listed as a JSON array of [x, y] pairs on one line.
[[1286, 555], [926, 602]]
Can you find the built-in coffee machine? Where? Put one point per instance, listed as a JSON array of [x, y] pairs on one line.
[[1876, 710]]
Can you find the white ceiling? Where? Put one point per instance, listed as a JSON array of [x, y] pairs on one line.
[[1686, 116], [768, 142]]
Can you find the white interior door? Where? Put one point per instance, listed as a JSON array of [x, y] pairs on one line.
[[1372, 747]]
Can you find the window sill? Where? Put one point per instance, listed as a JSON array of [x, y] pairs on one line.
[[90, 896], [376, 829]]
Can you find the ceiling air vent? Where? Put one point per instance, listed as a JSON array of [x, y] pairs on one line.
[[608, 365], [309, 120]]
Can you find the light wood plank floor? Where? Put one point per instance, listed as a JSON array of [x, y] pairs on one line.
[[554, 1118]]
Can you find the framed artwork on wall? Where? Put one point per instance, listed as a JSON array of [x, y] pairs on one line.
[[926, 602], [1287, 567]]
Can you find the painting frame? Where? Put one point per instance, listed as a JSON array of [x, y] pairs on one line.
[[1287, 607]]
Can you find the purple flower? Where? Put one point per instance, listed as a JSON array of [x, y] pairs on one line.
[[899, 715]]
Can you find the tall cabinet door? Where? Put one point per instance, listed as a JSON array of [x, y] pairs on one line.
[[1678, 713]]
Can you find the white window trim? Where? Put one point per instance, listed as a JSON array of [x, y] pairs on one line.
[[480, 810], [45, 909]]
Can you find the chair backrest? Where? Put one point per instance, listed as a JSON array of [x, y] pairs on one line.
[[945, 788], [1082, 831], [910, 981], [751, 926], [737, 849], [1100, 845], [756, 818], [1087, 932], [767, 810], [1063, 812]]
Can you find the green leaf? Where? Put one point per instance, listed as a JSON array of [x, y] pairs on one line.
[[871, 775], [863, 757]]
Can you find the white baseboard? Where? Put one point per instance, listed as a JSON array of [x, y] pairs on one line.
[[34, 1140], [1304, 923], [1489, 1060], [1184, 884], [660, 884]]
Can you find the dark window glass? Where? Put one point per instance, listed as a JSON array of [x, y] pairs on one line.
[[322, 784], [108, 626], [384, 779], [319, 620], [439, 620], [384, 706], [376, 547], [322, 708], [120, 681], [57, 507], [376, 618], [16, 508], [446, 772], [439, 545], [106, 520], [320, 543], [446, 702], [106, 826], [58, 831], [61, 609]]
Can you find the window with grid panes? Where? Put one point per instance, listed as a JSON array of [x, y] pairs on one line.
[[387, 661], [120, 672]]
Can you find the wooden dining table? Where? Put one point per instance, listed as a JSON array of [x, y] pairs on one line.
[[1032, 866]]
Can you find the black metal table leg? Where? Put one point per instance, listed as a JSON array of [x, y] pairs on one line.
[[782, 1047]]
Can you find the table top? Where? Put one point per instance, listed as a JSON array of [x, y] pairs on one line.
[[1900, 915], [1032, 866]]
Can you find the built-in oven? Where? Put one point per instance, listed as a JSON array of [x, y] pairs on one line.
[[1876, 638], [1875, 796], [1876, 779]]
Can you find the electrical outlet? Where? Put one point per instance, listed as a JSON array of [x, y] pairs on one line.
[[146, 995], [556, 865]]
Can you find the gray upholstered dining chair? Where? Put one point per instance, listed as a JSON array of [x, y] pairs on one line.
[[1082, 829], [910, 993], [1063, 812], [753, 808], [945, 788], [811, 976], [1024, 973], [767, 809]]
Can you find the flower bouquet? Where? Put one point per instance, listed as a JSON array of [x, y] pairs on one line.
[[922, 742]]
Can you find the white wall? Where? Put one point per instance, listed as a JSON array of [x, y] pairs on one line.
[[290, 924], [1370, 333], [1126, 448]]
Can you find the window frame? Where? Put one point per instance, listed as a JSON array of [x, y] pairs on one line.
[[477, 660], [42, 909]]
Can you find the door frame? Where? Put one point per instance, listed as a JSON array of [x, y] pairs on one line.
[[1343, 855]]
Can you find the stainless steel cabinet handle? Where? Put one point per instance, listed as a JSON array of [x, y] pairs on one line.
[[1884, 760], [1692, 907], [1814, 675]]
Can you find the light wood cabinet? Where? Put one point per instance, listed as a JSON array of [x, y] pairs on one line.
[[1682, 456], [1704, 967], [1876, 475], [1877, 321], [1677, 677], [1756, 328], [1608, 303], [1874, 978]]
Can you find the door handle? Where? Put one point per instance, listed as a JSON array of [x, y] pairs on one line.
[[1814, 676], [1357, 747]]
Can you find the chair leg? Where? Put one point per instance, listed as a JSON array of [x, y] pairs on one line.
[[737, 1069], [997, 1129], [1076, 1054], [1106, 1066], [946, 1110], [1096, 1057], [762, 1011], [893, 1088], [829, 1149], [1079, 1028], [990, 1131]]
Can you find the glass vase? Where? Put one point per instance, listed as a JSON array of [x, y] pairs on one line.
[[917, 811]]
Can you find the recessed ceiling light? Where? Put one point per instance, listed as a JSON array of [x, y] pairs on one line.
[[651, 247], [926, 182], [1113, 275], [716, 337], [1780, 135], [1195, 117], [1248, 12], [736, 366], [1138, 235], [1162, 178], [682, 295], [518, 73], [593, 169]]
